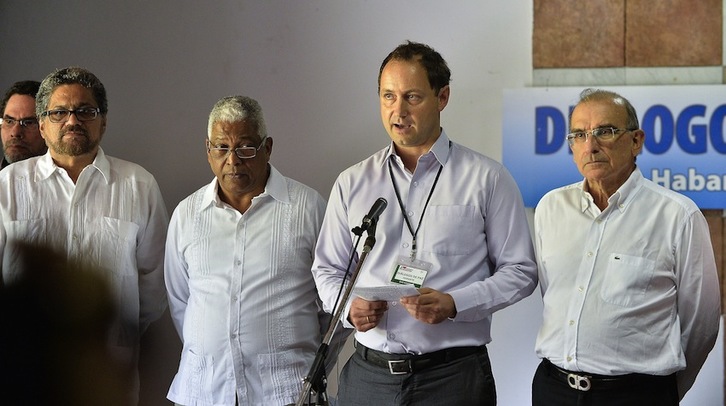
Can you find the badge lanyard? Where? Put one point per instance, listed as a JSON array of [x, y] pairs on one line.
[[403, 209]]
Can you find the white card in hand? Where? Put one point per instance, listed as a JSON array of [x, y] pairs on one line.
[[388, 292]]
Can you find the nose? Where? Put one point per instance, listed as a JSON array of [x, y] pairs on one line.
[[232, 158], [400, 107], [16, 131], [72, 118], [591, 143]]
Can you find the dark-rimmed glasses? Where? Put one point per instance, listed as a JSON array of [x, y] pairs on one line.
[[241, 152], [62, 115], [27, 122]]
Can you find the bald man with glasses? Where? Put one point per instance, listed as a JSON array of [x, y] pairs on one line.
[[627, 274]]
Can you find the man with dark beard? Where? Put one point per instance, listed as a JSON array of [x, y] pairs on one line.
[[101, 212], [19, 128]]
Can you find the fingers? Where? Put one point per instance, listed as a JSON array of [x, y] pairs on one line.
[[365, 315], [430, 307]]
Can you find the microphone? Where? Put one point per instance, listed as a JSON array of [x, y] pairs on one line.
[[371, 218]]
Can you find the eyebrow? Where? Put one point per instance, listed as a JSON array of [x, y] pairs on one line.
[[606, 125], [17, 119]]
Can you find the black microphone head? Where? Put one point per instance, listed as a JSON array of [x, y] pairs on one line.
[[375, 212]]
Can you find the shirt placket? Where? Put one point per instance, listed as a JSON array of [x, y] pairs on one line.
[[582, 284], [235, 312]]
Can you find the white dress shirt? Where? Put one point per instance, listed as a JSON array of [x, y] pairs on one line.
[[112, 220], [474, 233], [242, 296], [631, 289]]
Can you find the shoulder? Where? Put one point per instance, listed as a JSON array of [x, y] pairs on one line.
[[374, 162], [668, 197], [129, 171]]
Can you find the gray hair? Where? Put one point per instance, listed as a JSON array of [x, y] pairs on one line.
[[591, 94], [232, 109], [70, 76]]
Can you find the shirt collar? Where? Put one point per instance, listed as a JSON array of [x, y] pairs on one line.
[[276, 188], [46, 167], [440, 150], [622, 197]]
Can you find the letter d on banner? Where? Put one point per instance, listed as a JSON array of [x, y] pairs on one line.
[[548, 142]]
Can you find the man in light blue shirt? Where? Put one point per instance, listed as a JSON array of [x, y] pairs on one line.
[[455, 221]]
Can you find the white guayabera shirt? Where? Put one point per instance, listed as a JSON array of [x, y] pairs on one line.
[[242, 296], [112, 220]]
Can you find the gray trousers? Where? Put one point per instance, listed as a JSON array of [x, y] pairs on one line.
[[463, 381]]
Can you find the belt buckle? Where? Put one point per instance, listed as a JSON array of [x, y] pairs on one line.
[[579, 382], [399, 367]]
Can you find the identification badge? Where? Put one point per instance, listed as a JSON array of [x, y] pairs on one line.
[[410, 272]]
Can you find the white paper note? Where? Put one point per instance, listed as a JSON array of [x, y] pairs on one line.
[[388, 292]]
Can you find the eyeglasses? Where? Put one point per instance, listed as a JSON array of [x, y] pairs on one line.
[[29, 122], [241, 152], [602, 135], [62, 115]]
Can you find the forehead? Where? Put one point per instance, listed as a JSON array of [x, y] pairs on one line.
[[20, 104], [404, 74], [591, 114], [72, 93], [244, 130]]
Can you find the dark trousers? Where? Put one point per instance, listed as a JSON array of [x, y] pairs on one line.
[[550, 388], [463, 381]]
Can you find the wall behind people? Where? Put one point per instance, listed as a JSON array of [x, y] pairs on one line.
[[313, 67]]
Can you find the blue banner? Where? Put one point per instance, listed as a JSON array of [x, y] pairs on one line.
[[684, 149]]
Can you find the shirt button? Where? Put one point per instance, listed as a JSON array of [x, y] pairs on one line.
[[394, 303], [404, 245], [572, 322], [392, 336], [589, 254], [581, 289], [569, 359], [239, 262], [410, 214]]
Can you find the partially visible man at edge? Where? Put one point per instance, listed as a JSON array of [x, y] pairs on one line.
[[103, 213], [19, 128], [627, 274]]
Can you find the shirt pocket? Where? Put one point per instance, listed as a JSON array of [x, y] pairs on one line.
[[626, 279], [453, 230], [193, 382], [281, 375]]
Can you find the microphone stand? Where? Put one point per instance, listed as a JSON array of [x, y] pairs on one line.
[[315, 381]]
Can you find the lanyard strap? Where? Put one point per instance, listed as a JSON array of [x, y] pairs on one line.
[[403, 209]]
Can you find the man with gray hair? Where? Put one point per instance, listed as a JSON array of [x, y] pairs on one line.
[[237, 268], [101, 212], [626, 270]]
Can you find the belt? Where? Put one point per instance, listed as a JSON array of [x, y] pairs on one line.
[[584, 381], [399, 364]]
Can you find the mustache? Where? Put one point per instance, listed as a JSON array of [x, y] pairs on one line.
[[76, 128], [15, 142]]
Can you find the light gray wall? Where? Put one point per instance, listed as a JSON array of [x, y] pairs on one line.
[[313, 67]]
